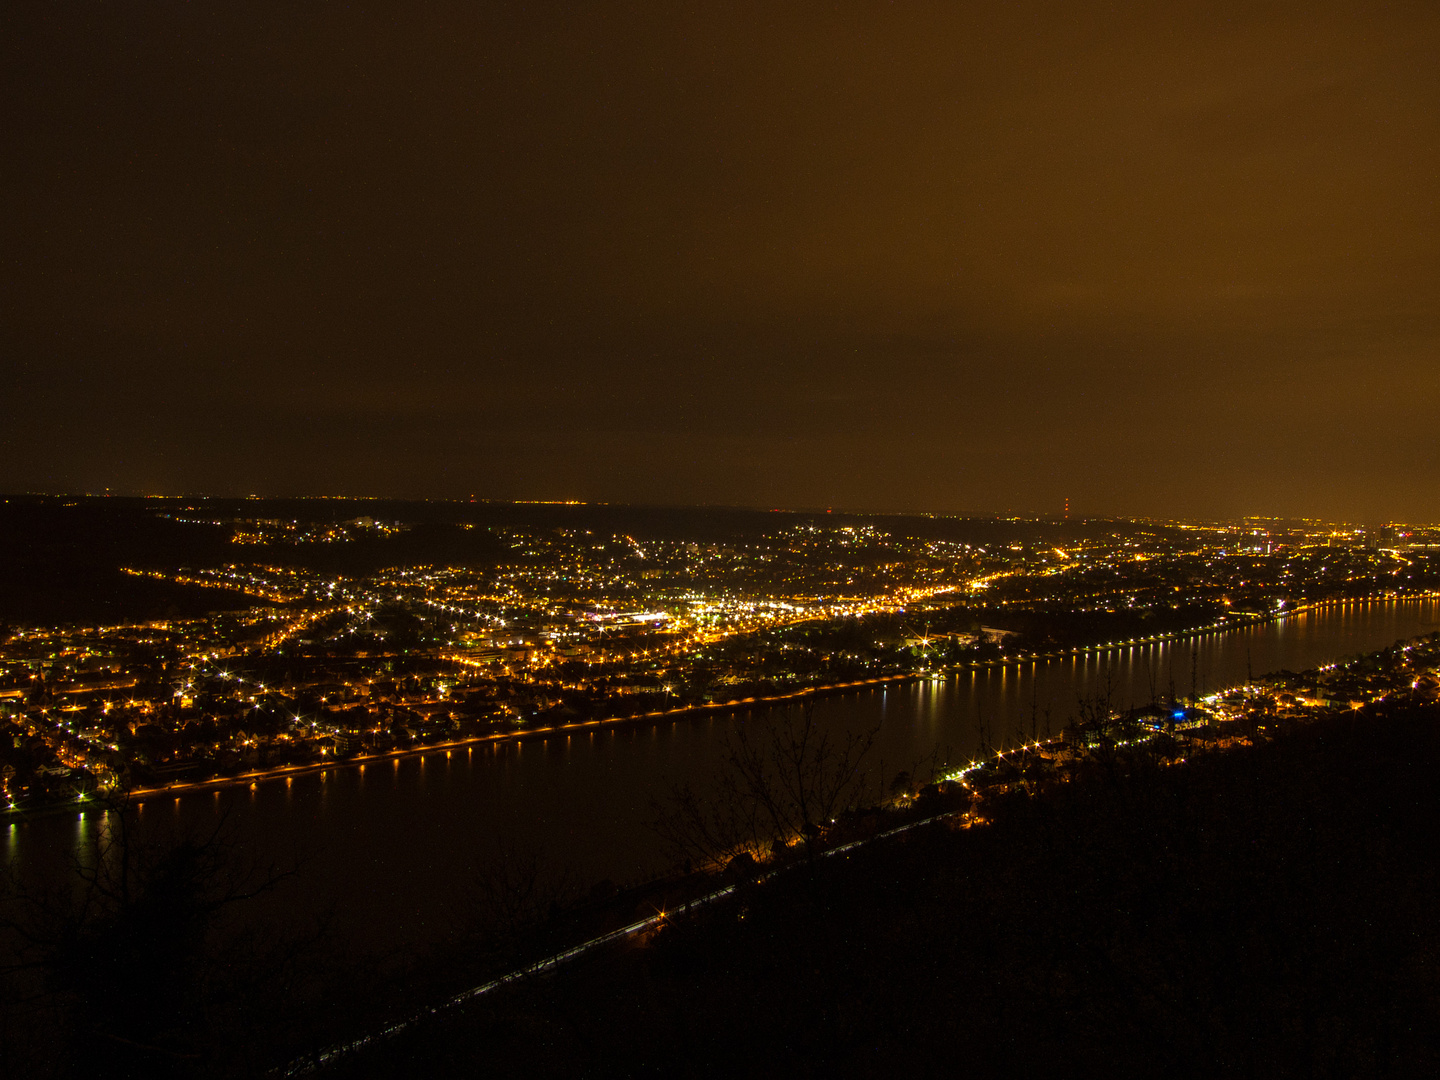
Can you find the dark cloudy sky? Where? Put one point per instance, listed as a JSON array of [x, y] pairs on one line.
[[1160, 257]]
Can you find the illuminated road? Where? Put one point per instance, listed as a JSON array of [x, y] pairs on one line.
[[311, 1062]]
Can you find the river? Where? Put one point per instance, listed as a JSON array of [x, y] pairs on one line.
[[389, 848]]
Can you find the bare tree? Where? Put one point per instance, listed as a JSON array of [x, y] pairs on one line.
[[125, 964], [511, 898], [786, 778], [1092, 731]]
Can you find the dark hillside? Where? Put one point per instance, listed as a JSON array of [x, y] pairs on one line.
[[1264, 912]]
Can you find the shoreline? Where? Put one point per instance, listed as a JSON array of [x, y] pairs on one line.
[[255, 778]]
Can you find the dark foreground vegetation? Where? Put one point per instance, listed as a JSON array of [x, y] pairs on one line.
[[1261, 910], [1268, 911]]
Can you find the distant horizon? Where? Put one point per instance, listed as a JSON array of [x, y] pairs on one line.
[[1007, 513]]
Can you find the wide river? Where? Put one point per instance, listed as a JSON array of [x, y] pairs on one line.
[[391, 847]]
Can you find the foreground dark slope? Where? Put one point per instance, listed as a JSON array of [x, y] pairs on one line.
[[1269, 911]]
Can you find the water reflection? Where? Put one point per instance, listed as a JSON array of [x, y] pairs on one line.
[[386, 855]]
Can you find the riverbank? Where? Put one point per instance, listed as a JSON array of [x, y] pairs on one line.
[[258, 777], [1102, 870], [1130, 923]]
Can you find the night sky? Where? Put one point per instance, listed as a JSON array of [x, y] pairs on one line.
[[1165, 259]]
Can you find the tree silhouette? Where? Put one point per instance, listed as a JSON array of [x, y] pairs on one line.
[[785, 779]]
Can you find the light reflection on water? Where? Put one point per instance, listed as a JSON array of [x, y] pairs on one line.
[[390, 849]]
